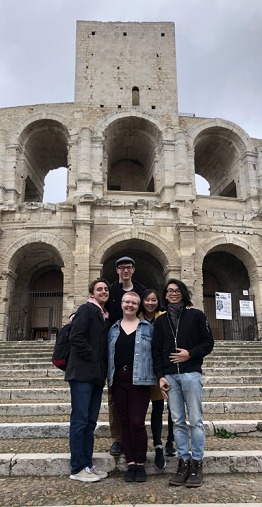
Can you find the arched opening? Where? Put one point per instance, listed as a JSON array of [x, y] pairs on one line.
[[135, 96], [43, 147], [223, 272], [218, 159], [36, 297], [149, 267], [131, 151]]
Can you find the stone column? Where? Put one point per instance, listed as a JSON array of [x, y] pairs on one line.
[[3, 136], [84, 177], [11, 181], [8, 279], [82, 224]]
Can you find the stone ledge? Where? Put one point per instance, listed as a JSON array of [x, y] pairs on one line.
[[219, 462], [61, 429]]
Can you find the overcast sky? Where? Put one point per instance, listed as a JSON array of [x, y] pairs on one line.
[[218, 42]]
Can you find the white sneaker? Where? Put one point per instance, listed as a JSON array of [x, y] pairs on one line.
[[100, 473], [85, 475]]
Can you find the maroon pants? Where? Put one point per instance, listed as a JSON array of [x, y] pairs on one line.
[[131, 403]]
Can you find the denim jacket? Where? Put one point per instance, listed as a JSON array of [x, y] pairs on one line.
[[143, 373]]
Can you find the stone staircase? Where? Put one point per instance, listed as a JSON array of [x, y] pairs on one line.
[[35, 408]]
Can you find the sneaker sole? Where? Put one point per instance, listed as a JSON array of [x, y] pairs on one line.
[[83, 479], [193, 485], [104, 476]]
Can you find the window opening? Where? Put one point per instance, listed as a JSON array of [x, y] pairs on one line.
[[135, 96]]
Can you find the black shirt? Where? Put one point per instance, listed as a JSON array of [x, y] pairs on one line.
[[124, 349]]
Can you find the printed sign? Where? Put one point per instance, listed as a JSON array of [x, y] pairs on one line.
[[246, 308], [223, 305]]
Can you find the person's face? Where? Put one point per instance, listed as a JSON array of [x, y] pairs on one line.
[[150, 303], [101, 293], [125, 271], [173, 293], [130, 304]]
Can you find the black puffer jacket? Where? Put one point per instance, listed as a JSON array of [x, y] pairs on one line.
[[193, 334], [88, 338]]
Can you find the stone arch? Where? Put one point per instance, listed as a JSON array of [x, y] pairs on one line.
[[233, 243], [39, 116], [42, 146], [133, 151], [62, 249], [35, 285], [164, 251], [157, 125], [219, 150], [227, 264], [152, 261], [204, 124]]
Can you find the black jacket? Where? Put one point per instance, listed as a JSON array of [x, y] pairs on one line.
[[193, 335], [88, 338], [116, 293]]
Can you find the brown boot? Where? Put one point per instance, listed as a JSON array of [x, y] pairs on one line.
[[195, 478], [182, 473]]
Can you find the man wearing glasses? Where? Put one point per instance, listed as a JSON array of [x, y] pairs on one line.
[[125, 268], [181, 340]]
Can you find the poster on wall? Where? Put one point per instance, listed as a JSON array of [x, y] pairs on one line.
[[223, 305], [246, 308]]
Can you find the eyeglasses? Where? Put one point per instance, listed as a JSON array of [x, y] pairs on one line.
[[125, 268], [130, 303], [173, 291]]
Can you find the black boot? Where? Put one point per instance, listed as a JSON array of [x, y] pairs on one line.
[[195, 478], [130, 474], [160, 461], [182, 473]]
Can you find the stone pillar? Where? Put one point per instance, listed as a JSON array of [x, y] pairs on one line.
[[10, 180], [183, 184], [259, 171], [3, 136], [82, 250], [8, 279], [84, 178], [187, 253], [251, 175]]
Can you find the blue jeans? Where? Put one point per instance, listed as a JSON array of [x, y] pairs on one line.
[[85, 406], [186, 393]]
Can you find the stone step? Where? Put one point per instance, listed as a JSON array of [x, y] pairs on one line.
[[223, 392], [35, 409], [61, 429], [47, 370], [32, 373], [218, 462], [58, 381]]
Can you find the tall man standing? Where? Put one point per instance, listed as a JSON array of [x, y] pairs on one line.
[[181, 340], [125, 268]]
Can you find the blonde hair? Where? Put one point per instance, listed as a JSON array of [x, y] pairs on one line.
[[131, 293]]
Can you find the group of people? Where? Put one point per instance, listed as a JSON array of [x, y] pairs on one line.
[[148, 350]]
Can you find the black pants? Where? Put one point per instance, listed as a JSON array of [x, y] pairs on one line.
[[157, 423]]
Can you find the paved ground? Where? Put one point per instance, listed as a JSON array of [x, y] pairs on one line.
[[23, 492], [48, 445]]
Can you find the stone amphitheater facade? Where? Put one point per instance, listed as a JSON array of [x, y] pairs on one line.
[[131, 161]]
